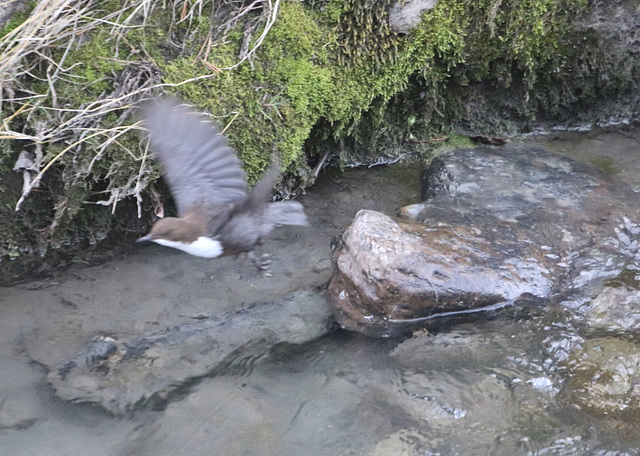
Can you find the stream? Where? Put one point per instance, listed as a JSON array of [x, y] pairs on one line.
[[490, 384]]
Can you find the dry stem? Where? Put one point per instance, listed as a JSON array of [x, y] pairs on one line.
[[61, 25]]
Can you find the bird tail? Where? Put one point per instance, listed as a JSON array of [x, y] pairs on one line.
[[286, 213], [278, 213]]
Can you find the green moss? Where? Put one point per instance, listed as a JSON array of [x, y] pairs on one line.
[[522, 56], [332, 69], [459, 141], [337, 60], [18, 18], [93, 66], [605, 164], [363, 35], [274, 104], [628, 277]]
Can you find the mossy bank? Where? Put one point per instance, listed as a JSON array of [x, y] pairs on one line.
[[288, 79]]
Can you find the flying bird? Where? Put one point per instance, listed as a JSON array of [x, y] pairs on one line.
[[217, 215]]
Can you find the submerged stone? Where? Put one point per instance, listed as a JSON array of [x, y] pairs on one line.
[[603, 381], [499, 226], [616, 310], [120, 374]]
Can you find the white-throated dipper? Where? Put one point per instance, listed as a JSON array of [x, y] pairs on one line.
[[216, 213]]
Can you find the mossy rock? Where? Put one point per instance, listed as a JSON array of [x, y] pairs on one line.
[[329, 76]]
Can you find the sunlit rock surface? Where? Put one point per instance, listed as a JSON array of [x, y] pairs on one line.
[[499, 226], [616, 310], [392, 273]]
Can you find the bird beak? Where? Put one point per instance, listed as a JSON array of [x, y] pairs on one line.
[[146, 238]]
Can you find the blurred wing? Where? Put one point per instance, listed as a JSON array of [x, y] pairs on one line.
[[262, 191], [198, 164]]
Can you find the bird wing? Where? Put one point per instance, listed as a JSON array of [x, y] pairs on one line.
[[261, 193], [199, 166]]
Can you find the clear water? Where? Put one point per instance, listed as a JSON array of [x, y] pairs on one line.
[[491, 385]]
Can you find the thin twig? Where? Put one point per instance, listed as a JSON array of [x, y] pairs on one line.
[[273, 9]]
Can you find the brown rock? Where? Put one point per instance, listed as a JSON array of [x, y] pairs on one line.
[[498, 225], [396, 273]]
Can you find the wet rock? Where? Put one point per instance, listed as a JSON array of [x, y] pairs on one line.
[[405, 441], [603, 380], [394, 272], [442, 399], [508, 225], [442, 404], [474, 351], [118, 374], [615, 310]]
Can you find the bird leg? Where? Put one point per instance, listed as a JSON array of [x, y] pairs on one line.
[[262, 262]]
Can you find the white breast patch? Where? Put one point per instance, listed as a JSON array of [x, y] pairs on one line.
[[204, 247]]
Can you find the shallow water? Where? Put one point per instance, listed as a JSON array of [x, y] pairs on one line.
[[490, 385]]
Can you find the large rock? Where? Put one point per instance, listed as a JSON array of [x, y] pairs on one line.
[[119, 374], [499, 226], [392, 273]]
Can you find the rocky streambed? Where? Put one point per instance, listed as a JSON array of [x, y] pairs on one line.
[[526, 344], [497, 226]]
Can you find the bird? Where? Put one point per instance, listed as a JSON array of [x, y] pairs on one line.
[[217, 215]]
